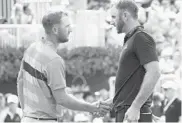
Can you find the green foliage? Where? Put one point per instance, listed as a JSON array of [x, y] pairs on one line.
[[84, 61], [88, 60], [9, 63]]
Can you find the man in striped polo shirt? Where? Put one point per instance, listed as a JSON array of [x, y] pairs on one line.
[[41, 80]]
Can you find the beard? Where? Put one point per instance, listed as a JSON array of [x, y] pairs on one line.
[[120, 26], [62, 39]]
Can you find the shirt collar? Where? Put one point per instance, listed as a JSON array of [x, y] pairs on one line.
[[49, 44], [130, 33], [169, 103]]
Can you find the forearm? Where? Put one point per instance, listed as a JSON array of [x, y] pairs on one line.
[[20, 93], [74, 104], [148, 84], [69, 101]]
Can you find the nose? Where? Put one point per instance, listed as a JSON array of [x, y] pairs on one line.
[[112, 22], [70, 29]]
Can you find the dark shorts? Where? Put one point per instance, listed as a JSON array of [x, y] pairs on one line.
[[145, 114]]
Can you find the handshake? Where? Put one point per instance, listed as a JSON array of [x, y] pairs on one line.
[[102, 108]]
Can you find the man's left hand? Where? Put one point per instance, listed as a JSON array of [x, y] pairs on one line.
[[132, 114]]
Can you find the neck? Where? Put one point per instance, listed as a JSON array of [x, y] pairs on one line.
[[12, 112], [131, 24], [171, 98], [52, 40]]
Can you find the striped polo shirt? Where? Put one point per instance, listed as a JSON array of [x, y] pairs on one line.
[[43, 71]]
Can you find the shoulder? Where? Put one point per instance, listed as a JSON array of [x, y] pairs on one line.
[[33, 45], [144, 37], [177, 101], [57, 61]]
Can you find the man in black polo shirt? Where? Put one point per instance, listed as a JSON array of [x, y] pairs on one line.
[[138, 70]]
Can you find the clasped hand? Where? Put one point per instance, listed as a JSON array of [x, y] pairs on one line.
[[103, 109]]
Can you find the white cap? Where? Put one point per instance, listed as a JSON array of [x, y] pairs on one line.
[[80, 117], [170, 85], [12, 99]]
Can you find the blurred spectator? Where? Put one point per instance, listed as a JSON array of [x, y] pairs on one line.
[[172, 108], [157, 106], [2, 101], [3, 108], [177, 62], [81, 117], [88, 97], [27, 16], [104, 94], [16, 17], [14, 114], [3, 21], [166, 60]]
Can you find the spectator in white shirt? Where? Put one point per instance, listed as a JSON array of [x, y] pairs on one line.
[[14, 114], [27, 17], [16, 17]]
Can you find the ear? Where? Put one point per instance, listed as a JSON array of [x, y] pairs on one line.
[[125, 16], [54, 30]]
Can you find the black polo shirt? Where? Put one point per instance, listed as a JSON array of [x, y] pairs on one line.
[[173, 113], [139, 49]]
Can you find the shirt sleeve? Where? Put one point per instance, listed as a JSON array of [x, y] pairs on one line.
[[56, 74], [178, 109], [145, 48]]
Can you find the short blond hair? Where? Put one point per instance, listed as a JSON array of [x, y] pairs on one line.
[[128, 5], [51, 19]]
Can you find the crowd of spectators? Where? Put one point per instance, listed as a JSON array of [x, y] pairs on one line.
[[10, 109], [162, 110], [21, 13], [162, 20]]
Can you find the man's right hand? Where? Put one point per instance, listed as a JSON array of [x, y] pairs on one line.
[[109, 102], [102, 109]]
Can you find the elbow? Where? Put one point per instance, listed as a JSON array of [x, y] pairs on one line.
[[158, 73], [63, 100]]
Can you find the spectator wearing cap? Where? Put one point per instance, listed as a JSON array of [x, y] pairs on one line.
[[14, 114], [3, 21], [172, 108]]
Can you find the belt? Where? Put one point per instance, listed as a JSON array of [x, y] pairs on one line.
[[43, 118]]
